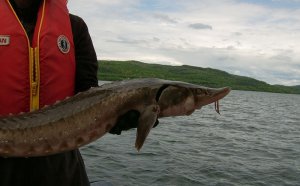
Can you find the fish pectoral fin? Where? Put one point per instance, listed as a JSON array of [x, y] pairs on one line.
[[145, 124]]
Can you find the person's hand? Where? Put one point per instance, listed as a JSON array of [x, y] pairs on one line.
[[127, 121]]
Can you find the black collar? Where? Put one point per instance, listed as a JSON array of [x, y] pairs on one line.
[[27, 15]]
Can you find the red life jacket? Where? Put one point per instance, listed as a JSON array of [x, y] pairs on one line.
[[39, 74]]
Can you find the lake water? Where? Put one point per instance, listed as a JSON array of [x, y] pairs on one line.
[[255, 141]]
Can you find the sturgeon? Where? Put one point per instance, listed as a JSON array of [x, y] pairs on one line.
[[87, 116]]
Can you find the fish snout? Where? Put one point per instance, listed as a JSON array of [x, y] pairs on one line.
[[210, 95]]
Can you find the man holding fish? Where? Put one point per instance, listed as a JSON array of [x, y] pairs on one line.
[[46, 55]]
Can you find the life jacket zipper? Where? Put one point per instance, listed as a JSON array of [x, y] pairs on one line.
[[34, 79]]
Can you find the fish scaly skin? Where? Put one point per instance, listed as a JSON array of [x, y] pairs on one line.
[[87, 116]]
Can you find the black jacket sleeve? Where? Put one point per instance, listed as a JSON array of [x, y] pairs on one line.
[[85, 56]]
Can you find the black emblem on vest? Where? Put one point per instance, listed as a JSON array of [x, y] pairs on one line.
[[63, 44]]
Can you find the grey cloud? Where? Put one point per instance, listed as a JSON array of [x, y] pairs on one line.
[[225, 58], [165, 18], [126, 40], [230, 47], [238, 43], [282, 58], [283, 55], [156, 39], [200, 26], [237, 34]]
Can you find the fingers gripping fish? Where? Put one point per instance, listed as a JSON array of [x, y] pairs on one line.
[[89, 115]]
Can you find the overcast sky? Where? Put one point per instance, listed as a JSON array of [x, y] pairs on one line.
[[255, 38]]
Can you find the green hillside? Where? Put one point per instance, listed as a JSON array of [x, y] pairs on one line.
[[119, 70]]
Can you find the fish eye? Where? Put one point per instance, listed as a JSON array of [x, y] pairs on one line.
[[198, 91]]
